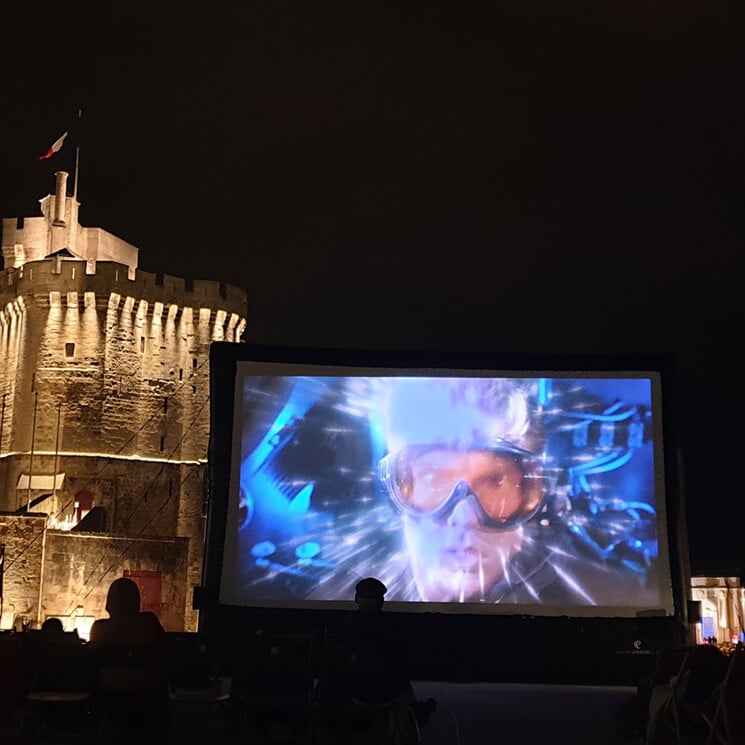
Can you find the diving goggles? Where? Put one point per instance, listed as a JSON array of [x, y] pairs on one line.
[[429, 480]]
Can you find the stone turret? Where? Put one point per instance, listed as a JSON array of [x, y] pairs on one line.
[[28, 239], [104, 385]]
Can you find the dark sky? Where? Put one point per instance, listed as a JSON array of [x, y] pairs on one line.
[[536, 177]]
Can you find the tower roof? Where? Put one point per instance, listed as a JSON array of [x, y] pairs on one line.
[[58, 233]]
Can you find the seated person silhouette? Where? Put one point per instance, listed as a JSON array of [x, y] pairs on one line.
[[53, 628], [379, 675], [706, 668], [53, 624], [681, 703], [126, 624], [129, 659], [378, 656]]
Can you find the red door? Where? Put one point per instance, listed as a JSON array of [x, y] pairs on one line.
[[150, 586]]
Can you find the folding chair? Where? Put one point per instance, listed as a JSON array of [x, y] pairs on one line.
[[58, 704], [664, 723], [727, 724], [272, 685], [677, 709], [130, 690], [13, 681], [339, 718], [198, 697]]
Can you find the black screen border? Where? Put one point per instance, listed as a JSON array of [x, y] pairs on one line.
[[224, 360]]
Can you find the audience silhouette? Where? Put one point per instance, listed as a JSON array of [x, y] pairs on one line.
[[379, 675], [52, 624], [677, 707], [126, 623], [378, 653], [128, 653]]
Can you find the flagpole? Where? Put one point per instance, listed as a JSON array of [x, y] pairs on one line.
[[77, 158], [75, 180]]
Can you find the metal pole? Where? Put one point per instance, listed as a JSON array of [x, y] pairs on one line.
[[2, 423], [77, 156], [31, 456], [2, 575], [56, 458], [75, 181]]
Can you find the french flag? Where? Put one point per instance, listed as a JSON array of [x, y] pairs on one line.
[[56, 145]]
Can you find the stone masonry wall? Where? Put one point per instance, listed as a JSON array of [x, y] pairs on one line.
[[106, 379], [24, 551], [130, 371], [79, 567]]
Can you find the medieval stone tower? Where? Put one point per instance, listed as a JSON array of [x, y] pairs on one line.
[[104, 418]]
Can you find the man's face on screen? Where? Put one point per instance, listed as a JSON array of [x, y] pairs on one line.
[[456, 558], [458, 472]]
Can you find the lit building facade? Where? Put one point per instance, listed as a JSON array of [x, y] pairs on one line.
[[104, 418], [721, 604]]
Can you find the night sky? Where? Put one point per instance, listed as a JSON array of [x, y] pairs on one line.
[[540, 177]]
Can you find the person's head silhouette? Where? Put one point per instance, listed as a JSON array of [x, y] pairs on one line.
[[123, 597], [126, 624], [52, 624], [369, 594]]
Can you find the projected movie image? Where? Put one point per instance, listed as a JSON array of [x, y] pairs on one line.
[[457, 492]]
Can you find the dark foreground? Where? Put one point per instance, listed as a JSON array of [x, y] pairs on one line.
[[467, 714]]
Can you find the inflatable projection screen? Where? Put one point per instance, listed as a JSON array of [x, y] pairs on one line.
[[484, 488]]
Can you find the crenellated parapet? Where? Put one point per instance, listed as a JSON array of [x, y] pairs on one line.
[[99, 280]]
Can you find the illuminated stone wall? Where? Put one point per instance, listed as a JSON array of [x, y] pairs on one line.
[[24, 552], [66, 574], [110, 351], [139, 497], [79, 567], [104, 377]]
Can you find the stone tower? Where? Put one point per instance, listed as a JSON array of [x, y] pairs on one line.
[[104, 417]]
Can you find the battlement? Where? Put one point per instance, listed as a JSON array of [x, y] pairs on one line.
[[63, 275]]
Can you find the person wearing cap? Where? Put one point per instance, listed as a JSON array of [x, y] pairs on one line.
[[369, 594], [378, 675], [379, 654]]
